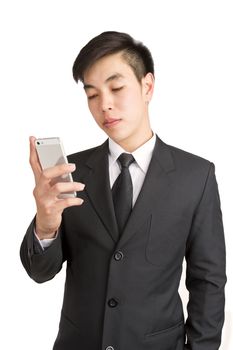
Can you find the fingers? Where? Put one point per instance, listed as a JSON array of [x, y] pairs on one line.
[[64, 203], [65, 187], [68, 202], [48, 196], [58, 170]]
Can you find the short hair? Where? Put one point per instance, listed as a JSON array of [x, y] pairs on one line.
[[135, 53]]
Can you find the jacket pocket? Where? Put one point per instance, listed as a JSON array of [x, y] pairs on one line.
[[165, 331], [65, 321], [68, 334], [172, 338], [167, 240]]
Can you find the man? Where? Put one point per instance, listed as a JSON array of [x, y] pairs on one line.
[[140, 214]]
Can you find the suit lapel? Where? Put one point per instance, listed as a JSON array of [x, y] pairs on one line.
[[98, 188], [155, 189], [154, 192]]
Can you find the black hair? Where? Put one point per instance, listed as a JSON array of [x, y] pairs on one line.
[[135, 53]]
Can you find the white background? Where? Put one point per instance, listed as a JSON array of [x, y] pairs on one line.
[[191, 42]]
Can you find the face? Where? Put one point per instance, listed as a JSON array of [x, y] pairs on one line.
[[118, 101]]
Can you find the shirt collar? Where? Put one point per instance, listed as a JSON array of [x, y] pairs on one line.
[[142, 154]]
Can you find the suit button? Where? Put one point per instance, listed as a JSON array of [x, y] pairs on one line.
[[110, 348], [112, 303], [118, 255]]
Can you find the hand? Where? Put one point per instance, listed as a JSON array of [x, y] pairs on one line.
[[49, 206]]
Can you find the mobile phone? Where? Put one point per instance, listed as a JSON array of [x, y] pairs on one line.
[[51, 152]]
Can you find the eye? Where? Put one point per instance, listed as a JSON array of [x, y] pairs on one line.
[[91, 97], [118, 88]]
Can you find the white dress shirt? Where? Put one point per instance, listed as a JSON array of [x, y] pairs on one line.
[[137, 169]]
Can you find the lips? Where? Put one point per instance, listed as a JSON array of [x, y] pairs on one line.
[[109, 122]]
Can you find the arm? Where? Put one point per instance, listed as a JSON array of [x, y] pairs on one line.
[[206, 277], [43, 243], [42, 265]]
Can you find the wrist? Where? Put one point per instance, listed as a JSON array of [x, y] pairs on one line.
[[42, 236], [45, 234]]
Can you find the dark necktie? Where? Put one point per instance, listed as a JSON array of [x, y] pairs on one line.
[[122, 191]]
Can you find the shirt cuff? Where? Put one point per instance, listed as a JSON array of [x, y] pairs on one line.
[[45, 243]]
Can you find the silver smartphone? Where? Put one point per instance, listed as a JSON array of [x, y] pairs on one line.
[[51, 152]]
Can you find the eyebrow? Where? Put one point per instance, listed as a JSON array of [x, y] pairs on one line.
[[114, 76]]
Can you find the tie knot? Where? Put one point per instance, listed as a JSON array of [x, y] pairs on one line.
[[126, 159]]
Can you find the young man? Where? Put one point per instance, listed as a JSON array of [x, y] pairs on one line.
[[141, 213]]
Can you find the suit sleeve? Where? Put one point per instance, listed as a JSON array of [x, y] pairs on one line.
[[205, 275], [41, 265]]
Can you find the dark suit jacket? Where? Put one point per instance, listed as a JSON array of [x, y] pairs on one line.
[[123, 293]]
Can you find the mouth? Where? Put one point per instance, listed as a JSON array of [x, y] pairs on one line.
[[108, 123]]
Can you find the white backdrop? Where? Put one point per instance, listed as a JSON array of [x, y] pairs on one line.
[[191, 42]]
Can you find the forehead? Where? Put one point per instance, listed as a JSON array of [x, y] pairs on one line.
[[106, 69]]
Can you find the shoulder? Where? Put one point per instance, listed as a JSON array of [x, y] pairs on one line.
[[187, 165], [184, 157], [84, 155]]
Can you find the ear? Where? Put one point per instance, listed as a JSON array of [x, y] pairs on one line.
[[148, 82]]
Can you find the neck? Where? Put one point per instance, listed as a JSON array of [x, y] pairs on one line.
[[132, 145]]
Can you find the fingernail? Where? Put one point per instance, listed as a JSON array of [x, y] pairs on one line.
[[72, 166], [82, 187]]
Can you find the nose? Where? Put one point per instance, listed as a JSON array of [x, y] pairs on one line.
[[106, 102]]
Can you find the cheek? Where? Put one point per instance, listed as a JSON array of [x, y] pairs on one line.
[[97, 115], [94, 112], [131, 102], [93, 109], [125, 101]]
